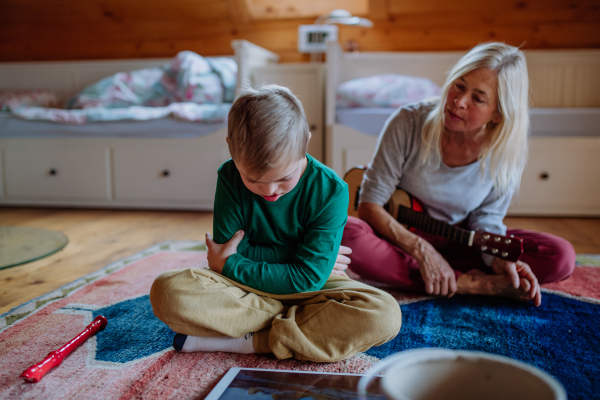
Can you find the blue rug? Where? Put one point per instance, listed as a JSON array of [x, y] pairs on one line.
[[561, 337]]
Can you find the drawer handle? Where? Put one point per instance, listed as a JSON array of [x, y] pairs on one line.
[[166, 173], [544, 176], [53, 172]]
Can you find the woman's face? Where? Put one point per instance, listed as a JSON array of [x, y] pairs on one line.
[[472, 102]]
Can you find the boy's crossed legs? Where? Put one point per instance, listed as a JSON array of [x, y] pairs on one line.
[[332, 324]]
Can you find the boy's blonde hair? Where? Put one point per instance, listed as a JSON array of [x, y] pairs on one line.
[[506, 141], [267, 126]]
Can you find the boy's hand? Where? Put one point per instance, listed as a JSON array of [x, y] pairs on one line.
[[341, 262], [219, 253]]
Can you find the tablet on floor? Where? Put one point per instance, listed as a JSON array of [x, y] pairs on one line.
[[263, 384]]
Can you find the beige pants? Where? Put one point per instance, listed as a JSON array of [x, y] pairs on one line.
[[332, 324]]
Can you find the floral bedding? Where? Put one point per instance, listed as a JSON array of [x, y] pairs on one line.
[[191, 88], [40, 98], [204, 113]]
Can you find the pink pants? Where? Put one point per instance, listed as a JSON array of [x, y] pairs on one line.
[[550, 257]]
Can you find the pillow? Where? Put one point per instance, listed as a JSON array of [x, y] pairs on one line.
[[388, 90], [34, 98]]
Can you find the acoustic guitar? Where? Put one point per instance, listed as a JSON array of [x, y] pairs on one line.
[[409, 211]]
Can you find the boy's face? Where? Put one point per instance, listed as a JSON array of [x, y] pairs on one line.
[[275, 182]]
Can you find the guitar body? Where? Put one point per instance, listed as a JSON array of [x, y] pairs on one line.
[[400, 198], [354, 179], [410, 212]]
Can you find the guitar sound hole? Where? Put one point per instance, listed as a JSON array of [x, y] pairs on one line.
[[356, 198]]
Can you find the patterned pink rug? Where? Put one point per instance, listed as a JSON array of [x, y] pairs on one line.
[[138, 360], [133, 357]]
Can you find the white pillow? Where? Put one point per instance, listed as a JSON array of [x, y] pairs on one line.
[[387, 90]]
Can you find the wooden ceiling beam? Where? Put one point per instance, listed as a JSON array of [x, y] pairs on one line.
[[379, 9], [240, 11], [293, 9]]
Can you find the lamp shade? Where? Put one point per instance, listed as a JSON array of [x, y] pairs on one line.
[[343, 17], [356, 21]]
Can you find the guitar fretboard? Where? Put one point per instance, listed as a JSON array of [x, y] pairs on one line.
[[425, 223]]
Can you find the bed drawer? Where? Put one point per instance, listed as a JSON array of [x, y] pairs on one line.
[[179, 173], [562, 176], [56, 172]]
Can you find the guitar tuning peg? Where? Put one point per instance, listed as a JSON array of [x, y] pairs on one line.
[[507, 241], [494, 251], [504, 254], [483, 248], [486, 236], [496, 239]]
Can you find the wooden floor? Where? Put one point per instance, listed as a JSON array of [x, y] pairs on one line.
[[100, 237]]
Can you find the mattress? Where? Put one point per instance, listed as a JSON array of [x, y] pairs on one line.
[[544, 121], [12, 127], [365, 120], [565, 121]]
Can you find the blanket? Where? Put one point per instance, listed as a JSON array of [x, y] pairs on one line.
[[191, 88]]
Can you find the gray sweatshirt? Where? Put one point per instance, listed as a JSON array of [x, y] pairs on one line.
[[450, 194]]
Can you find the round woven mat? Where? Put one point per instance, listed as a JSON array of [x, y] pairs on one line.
[[19, 244]]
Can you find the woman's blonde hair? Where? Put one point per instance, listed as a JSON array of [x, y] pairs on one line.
[[267, 127], [507, 140]]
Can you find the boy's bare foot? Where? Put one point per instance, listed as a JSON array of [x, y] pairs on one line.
[[477, 282]]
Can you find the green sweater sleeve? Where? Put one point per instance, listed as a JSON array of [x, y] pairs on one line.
[[228, 219], [311, 262]]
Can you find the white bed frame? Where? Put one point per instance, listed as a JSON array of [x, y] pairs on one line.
[[111, 172], [563, 173]]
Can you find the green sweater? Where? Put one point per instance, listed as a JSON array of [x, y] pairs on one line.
[[290, 245]]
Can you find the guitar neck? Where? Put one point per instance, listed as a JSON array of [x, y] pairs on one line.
[[427, 224]]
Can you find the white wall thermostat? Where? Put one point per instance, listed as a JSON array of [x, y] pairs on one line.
[[311, 38]]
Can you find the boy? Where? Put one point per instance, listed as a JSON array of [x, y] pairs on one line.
[[278, 222]]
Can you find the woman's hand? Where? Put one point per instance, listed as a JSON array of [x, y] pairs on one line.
[[219, 253], [341, 262], [521, 276], [439, 277]]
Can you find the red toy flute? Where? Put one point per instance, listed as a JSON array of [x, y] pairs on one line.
[[36, 372]]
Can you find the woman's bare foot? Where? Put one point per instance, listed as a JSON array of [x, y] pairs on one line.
[[477, 282]]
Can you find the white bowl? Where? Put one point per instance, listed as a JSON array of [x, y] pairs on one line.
[[442, 374]]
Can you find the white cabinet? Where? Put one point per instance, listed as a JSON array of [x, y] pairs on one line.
[[166, 174], [562, 177], [348, 148], [56, 170], [307, 82], [175, 173]]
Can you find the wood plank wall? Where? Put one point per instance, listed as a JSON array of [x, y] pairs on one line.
[[106, 29]]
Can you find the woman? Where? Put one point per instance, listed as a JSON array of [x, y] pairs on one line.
[[462, 156]]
